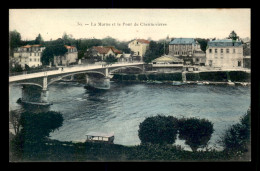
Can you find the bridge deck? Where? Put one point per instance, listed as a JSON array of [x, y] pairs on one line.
[[67, 70]]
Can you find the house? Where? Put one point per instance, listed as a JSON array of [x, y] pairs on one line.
[[99, 53], [29, 55], [139, 47], [167, 63], [187, 49], [124, 57], [225, 53], [70, 57]]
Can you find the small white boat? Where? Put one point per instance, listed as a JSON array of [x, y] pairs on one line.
[[177, 83], [100, 137]]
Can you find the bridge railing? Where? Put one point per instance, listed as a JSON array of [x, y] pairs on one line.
[[32, 71]]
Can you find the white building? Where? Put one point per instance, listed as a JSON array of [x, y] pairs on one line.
[[29, 55], [224, 53], [68, 58], [139, 47]]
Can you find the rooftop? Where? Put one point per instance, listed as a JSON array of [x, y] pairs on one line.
[[100, 134], [105, 49], [224, 42], [143, 41], [69, 47], [29, 46], [183, 41], [167, 58]]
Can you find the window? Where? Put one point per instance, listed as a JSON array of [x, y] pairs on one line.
[[216, 50], [227, 50], [197, 59], [34, 59], [30, 54], [34, 54], [221, 50], [234, 50], [238, 63], [30, 59], [210, 50]]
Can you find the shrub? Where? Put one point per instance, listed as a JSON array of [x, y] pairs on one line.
[[195, 132], [118, 77], [192, 76], [142, 77], [213, 76], [151, 77], [237, 136], [129, 77], [239, 76], [175, 76], [158, 130]]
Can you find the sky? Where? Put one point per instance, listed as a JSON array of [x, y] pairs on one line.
[[128, 24]]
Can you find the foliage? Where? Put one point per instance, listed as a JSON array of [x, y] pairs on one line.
[[196, 132], [14, 118], [118, 77], [237, 136], [233, 35], [213, 76], [39, 39], [142, 77], [129, 77], [203, 43], [239, 76], [37, 126], [192, 76], [110, 59], [57, 48], [15, 40], [158, 130], [155, 50], [17, 68]]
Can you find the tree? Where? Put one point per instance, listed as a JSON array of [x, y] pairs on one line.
[[56, 48], [37, 126], [158, 130], [15, 40], [110, 59], [155, 50], [237, 136], [195, 132], [233, 35], [39, 39], [203, 43], [14, 118]]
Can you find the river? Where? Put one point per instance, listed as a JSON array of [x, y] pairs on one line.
[[122, 108]]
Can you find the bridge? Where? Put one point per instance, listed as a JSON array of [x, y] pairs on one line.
[[41, 80]]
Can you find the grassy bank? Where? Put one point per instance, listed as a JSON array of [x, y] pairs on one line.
[[54, 150]]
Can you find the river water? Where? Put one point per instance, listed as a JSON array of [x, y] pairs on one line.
[[122, 108]]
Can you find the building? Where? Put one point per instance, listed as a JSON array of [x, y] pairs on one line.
[[70, 57], [125, 57], [29, 55], [99, 53], [224, 53], [139, 47], [247, 62], [167, 63], [187, 49]]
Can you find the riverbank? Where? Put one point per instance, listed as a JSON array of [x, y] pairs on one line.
[[213, 78], [53, 150]]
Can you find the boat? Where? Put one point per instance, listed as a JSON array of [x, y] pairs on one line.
[[177, 83], [230, 83], [100, 137]]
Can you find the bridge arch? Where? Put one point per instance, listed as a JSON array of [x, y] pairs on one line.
[[83, 72], [113, 70], [35, 84]]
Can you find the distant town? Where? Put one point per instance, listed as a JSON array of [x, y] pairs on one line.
[[165, 55]]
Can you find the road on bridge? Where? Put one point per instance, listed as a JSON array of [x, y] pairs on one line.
[[67, 70]]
